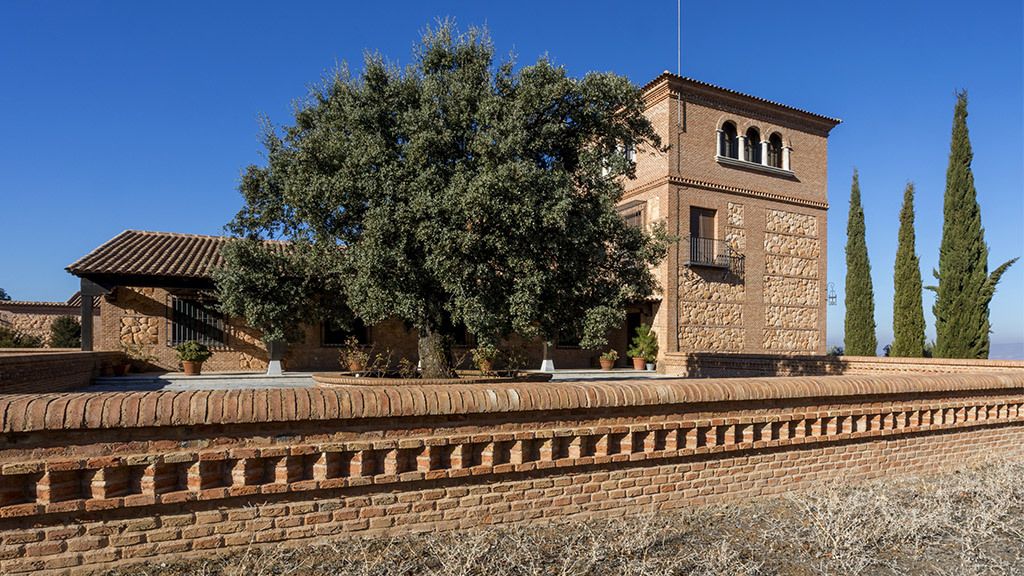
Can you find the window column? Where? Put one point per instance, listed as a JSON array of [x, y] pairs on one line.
[[785, 157], [764, 152], [721, 143], [741, 145]]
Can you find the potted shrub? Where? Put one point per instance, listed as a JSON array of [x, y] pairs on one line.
[[192, 355], [608, 359], [644, 348], [484, 356], [138, 356], [353, 355]]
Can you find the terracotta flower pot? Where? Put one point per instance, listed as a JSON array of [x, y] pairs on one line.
[[639, 364], [486, 365], [606, 364], [356, 367], [192, 368]]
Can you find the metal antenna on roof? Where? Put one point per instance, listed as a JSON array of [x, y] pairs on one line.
[[679, 37]]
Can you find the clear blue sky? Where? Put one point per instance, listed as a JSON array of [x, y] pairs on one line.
[[118, 115]]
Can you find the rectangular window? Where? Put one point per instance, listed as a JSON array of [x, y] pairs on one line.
[[568, 339], [336, 336], [702, 235], [462, 337], [633, 213], [196, 319]]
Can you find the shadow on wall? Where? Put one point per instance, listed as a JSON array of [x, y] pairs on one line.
[[712, 365]]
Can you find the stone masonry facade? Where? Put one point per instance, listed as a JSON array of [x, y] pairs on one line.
[[767, 296], [140, 318], [35, 318]]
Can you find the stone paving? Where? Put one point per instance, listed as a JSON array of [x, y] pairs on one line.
[[221, 381]]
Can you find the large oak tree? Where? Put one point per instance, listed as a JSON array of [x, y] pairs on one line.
[[457, 189]]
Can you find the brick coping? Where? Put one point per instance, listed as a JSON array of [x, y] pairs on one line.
[[107, 410]]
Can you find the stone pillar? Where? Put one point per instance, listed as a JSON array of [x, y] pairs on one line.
[[547, 364], [764, 152], [741, 146], [721, 142], [785, 157]]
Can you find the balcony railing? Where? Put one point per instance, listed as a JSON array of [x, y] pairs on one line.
[[712, 253]]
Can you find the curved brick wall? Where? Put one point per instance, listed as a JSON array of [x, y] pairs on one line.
[[88, 481]]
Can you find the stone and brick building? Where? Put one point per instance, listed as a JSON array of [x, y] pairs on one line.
[[742, 184]]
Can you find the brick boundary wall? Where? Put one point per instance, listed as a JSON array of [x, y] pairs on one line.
[[89, 481], [713, 365], [51, 370]]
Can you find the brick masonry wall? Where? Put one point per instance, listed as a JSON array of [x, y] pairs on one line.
[[710, 365], [22, 373], [90, 481]]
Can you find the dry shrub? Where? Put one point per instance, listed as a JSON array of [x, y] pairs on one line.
[[968, 522]]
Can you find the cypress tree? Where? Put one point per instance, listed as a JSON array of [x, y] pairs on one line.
[[965, 287], [859, 338], [907, 309]]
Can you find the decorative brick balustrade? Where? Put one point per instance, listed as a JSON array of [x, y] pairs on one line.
[[88, 481]]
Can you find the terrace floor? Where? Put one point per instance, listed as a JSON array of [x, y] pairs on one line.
[[234, 381]]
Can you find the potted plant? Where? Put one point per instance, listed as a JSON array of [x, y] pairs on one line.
[[353, 355], [192, 355], [608, 359], [644, 348], [138, 356], [484, 356]]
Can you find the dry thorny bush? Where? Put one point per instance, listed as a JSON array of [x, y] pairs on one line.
[[969, 522]]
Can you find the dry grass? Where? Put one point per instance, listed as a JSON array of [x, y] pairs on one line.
[[969, 523]]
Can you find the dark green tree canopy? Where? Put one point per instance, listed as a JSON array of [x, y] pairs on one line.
[[459, 190], [908, 309], [965, 287], [859, 328], [3, 295], [65, 332]]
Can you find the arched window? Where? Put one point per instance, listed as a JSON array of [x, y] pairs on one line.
[[728, 145], [775, 151], [752, 147]]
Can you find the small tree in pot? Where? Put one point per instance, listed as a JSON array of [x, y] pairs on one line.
[[192, 355], [644, 348]]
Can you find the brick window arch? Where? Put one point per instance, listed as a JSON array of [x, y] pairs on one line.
[[752, 146], [728, 141], [775, 150]]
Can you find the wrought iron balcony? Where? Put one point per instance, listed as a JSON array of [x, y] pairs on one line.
[[712, 253]]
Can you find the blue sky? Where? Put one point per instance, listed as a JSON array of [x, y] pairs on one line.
[[119, 115]]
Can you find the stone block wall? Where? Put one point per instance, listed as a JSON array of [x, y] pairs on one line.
[[35, 318], [210, 471]]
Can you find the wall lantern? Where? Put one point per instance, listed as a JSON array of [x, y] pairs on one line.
[[831, 294]]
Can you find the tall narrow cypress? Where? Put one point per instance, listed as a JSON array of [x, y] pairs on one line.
[[859, 338], [965, 287], [907, 309]]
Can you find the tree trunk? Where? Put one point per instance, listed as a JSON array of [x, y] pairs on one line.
[[435, 351]]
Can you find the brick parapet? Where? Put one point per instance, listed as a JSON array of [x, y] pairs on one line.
[[204, 472], [712, 365], [87, 411], [38, 372]]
